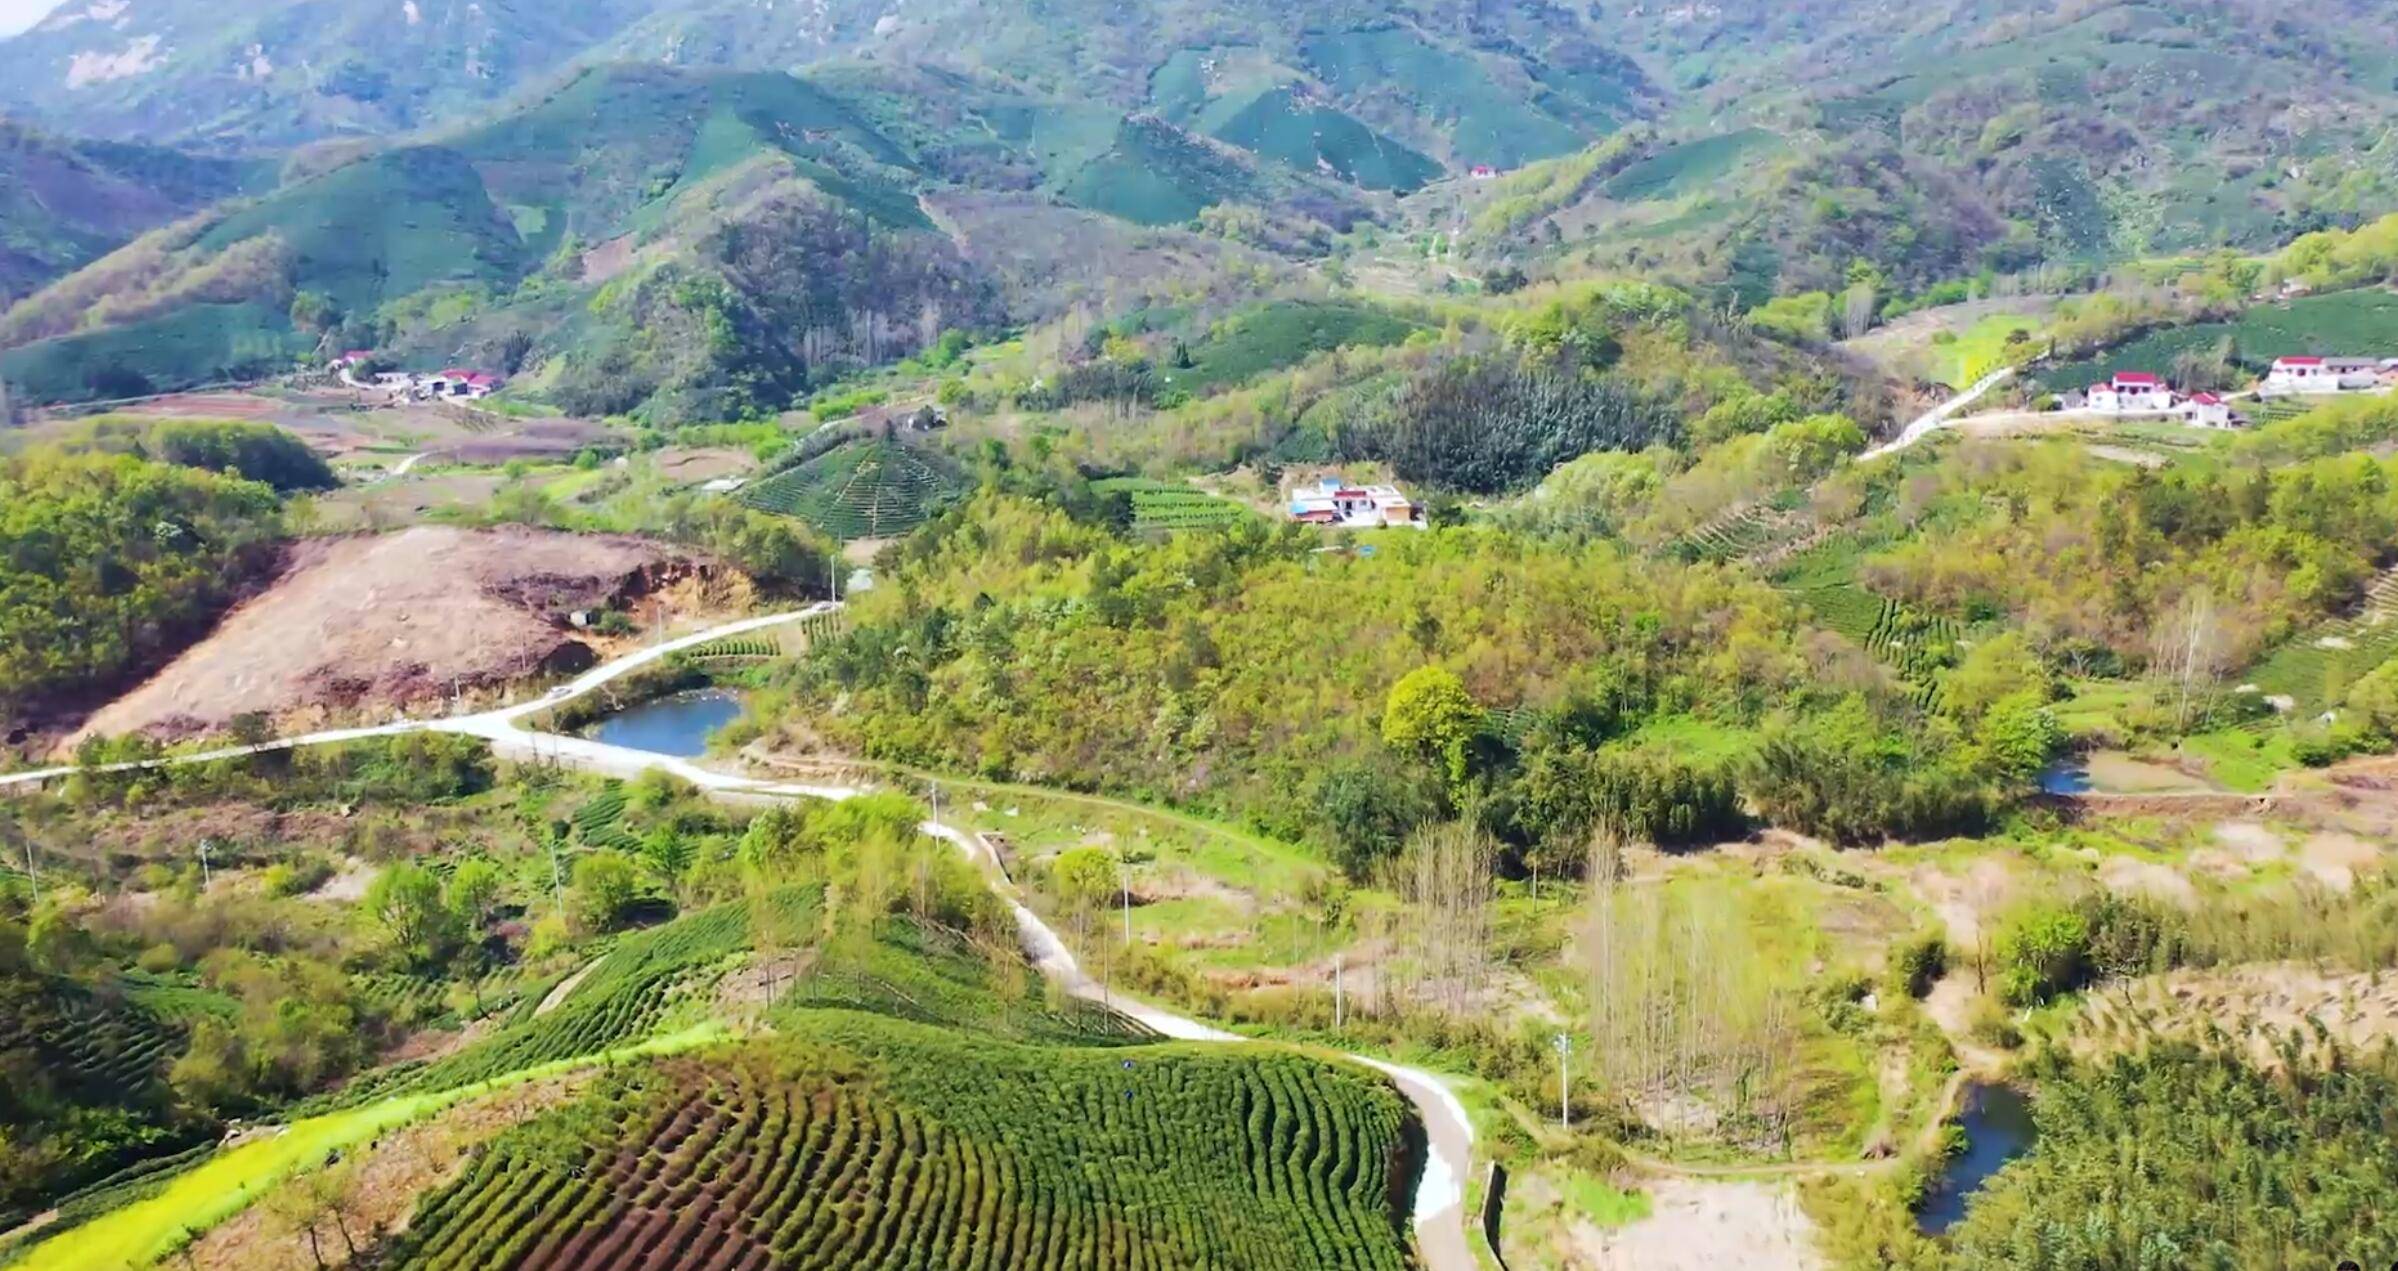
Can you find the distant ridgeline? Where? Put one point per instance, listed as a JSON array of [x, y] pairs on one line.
[[645, 238]]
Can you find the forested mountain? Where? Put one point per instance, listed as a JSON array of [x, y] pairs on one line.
[[495, 169], [1936, 140], [65, 203]]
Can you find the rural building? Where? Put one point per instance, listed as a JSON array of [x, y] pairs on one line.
[[462, 383], [1355, 507], [2205, 410], [2132, 393], [2291, 375], [1483, 172]]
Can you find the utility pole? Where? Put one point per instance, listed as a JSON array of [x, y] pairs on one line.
[[557, 878], [936, 803], [1124, 876], [31, 878], [205, 846], [1565, 1107], [1337, 1013]]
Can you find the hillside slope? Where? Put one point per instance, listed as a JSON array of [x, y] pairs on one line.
[[1936, 140], [65, 203]]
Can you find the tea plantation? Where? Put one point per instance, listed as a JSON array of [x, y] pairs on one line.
[[861, 489], [858, 1141]]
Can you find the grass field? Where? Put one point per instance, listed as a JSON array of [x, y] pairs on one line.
[[860, 489]]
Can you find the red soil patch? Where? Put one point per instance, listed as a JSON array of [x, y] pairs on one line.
[[367, 623]]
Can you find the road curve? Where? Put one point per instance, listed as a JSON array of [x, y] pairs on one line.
[[1940, 416], [1439, 1220]]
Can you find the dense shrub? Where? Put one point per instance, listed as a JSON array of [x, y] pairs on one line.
[[1492, 424]]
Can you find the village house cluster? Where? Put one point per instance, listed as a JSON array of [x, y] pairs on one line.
[[1336, 503], [2150, 396], [454, 384]]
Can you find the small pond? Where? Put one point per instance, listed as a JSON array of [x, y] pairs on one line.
[[2065, 776], [1998, 1128], [679, 725]]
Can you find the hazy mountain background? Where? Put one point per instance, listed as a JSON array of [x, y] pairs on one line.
[[583, 191]]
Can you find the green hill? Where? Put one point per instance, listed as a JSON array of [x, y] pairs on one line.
[[65, 203], [861, 489]]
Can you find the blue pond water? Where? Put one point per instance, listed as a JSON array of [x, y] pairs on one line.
[[1998, 1128], [2065, 776], [677, 725]]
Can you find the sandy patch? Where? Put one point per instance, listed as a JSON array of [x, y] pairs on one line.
[[367, 623], [1702, 1226], [2127, 876], [1966, 905], [2253, 1003], [2336, 859], [347, 887]]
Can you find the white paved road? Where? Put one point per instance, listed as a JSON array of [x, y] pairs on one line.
[[1440, 1220], [1940, 416]]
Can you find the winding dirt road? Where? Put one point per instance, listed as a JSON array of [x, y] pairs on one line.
[[1440, 1218]]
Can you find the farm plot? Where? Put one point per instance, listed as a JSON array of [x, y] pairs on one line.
[[1158, 505], [628, 997], [861, 489], [872, 1142], [2316, 667]]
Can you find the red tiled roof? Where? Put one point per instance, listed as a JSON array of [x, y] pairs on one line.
[[2298, 361], [2136, 377]]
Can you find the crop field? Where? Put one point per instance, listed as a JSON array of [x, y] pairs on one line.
[[930, 975], [628, 997], [1164, 506], [1302, 135], [2316, 667], [2362, 322], [91, 1042], [1284, 335], [1686, 168], [600, 823], [861, 489], [196, 345], [872, 1142], [1736, 535], [1491, 123]]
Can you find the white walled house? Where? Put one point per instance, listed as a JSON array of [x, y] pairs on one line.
[[2291, 376], [1355, 507], [2132, 393], [2205, 410]]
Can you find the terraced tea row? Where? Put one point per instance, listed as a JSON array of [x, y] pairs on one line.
[[1158, 505], [626, 998], [862, 489], [881, 1143]]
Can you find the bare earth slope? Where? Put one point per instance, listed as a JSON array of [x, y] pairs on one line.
[[378, 621]]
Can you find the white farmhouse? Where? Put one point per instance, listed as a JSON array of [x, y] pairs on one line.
[[2132, 393], [1335, 503], [2291, 376], [2205, 410]]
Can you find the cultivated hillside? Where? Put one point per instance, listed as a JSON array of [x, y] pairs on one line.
[[64, 203], [1934, 140]]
